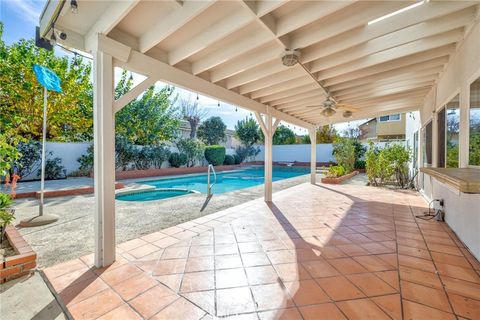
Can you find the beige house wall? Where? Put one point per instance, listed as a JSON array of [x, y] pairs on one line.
[[391, 128]]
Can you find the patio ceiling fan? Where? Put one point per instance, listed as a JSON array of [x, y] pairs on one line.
[[329, 106]]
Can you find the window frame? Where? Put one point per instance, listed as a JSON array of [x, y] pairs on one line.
[[390, 120], [475, 77]]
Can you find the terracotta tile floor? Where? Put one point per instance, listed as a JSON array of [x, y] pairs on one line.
[[317, 252]]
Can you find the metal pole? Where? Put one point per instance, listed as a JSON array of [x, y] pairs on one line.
[[44, 138]]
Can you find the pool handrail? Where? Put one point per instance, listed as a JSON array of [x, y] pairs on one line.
[[209, 186]]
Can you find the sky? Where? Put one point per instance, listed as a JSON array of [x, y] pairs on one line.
[[21, 16]]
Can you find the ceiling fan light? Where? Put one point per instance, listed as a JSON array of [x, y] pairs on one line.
[[347, 114], [328, 112], [290, 57]]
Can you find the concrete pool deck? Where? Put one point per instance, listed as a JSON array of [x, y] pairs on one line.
[[72, 236]]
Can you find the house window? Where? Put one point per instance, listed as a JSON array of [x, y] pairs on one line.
[[452, 134], [427, 145], [474, 124], [392, 117], [441, 138]]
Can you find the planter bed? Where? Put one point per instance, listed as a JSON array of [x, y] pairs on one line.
[[339, 180], [24, 260], [134, 174], [62, 193]]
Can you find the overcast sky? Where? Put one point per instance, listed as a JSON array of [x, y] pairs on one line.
[[21, 16]]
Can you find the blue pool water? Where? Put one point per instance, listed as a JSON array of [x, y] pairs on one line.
[[226, 181], [152, 195]]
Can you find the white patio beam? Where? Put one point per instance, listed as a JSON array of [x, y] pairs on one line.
[[159, 70], [386, 84], [386, 98], [267, 128], [132, 94], [363, 34], [406, 50], [305, 95], [313, 155], [282, 86], [289, 93], [388, 66], [432, 67], [386, 91], [287, 74], [268, 68], [301, 103], [168, 25], [357, 14], [215, 32], [306, 14], [109, 19], [104, 159], [395, 39], [264, 7], [262, 55], [233, 50]]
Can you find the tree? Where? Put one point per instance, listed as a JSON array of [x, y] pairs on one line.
[[247, 131], [326, 134], [282, 135], [344, 153], [193, 149], [70, 113], [352, 132], [192, 113], [212, 131], [149, 119]]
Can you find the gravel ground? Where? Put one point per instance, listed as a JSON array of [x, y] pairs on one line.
[[73, 234]]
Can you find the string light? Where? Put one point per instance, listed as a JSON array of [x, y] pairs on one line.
[[131, 77], [197, 97], [236, 109], [218, 104]]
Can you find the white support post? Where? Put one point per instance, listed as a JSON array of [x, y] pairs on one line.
[[104, 159], [268, 157], [313, 155]]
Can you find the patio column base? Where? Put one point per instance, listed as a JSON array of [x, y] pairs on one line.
[[38, 221]]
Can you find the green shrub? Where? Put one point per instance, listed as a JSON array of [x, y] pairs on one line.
[[177, 160], [359, 164], [53, 169], [159, 155], [229, 160], [389, 164], [193, 149], [344, 153], [215, 154], [237, 159], [5, 200], [336, 171], [86, 162], [30, 158]]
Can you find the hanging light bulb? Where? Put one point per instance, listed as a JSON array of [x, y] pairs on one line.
[[236, 109], [197, 97], [74, 6], [53, 39], [168, 89], [131, 77], [218, 104]]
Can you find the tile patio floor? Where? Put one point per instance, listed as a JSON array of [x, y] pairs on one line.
[[317, 252]]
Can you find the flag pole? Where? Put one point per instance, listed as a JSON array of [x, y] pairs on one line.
[[44, 138]]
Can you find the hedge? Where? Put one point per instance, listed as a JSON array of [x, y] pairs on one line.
[[229, 160], [215, 154], [177, 160]]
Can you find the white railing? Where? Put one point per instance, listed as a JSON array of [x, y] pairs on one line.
[[210, 185]]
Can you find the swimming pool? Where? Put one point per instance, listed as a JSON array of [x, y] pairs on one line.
[[226, 181]]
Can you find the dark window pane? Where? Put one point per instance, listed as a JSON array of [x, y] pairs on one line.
[[474, 116], [441, 138]]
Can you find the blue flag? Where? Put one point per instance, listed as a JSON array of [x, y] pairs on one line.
[[47, 78]]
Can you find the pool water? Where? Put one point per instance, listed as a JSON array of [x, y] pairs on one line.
[[228, 181], [152, 195]]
